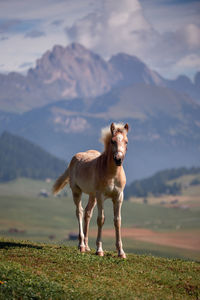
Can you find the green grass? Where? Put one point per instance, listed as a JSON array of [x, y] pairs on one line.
[[186, 188], [22, 208], [38, 271], [17, 283], [24, 187]]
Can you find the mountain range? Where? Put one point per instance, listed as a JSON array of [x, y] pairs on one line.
[[72, 93], [74, 71]]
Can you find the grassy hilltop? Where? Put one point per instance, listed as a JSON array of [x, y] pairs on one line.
[[38, 271], [164, 226]]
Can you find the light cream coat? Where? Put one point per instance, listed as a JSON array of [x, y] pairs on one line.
[[101, 176]]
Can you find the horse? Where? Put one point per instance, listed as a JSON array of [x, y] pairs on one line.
[[101, 176]]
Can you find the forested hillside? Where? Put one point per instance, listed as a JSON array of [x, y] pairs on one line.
[[21, 158], [158, 184]]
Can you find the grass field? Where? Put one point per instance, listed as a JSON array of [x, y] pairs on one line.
[[26, 215], [40, 271]]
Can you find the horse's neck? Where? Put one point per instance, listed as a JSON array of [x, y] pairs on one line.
[[108, 165]]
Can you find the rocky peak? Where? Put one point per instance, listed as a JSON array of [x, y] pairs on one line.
[[183, 80], [74, 71], [133, 70]]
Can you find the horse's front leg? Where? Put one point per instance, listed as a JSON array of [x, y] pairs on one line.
[[117, 204], [100, 222]]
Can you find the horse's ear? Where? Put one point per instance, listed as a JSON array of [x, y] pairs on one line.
[[112, 128], [126, 127]]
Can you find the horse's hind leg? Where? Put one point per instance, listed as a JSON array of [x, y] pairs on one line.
[[87, 217], [79, 213]]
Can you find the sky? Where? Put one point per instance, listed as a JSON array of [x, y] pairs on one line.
[[165, 34]]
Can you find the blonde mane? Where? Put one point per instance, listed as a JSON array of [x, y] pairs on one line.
[[106, 134]]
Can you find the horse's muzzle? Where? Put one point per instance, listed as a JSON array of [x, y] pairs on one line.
[[118, 160]]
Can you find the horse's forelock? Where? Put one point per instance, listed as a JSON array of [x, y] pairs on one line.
[[106, 133]]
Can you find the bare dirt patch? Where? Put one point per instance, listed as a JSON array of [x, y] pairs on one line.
[[183, 239]]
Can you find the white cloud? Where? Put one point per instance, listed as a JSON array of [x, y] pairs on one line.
[[17, 50], [121, 26], [106, 27], [189, 62], [167, 15], [172, 49], [20, 19], [190, 34]]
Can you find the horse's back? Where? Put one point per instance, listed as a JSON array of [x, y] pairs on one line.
[[86, 156]]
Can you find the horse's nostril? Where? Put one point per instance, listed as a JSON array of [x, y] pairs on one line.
[[118, 161]]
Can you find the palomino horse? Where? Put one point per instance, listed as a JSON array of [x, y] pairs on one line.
[[101, 176]]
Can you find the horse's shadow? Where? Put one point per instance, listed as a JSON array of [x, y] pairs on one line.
[[7, 245]]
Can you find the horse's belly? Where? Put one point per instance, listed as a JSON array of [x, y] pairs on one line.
[[85, 184]]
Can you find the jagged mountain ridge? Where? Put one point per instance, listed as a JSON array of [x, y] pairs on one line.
[[60, 74], [74, 71]]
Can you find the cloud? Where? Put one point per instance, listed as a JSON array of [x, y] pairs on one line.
[[3, 38], [190, 35], [34, 34], [25, 22], [17, 50], [47, 10], [26, 65], [121, 26], [17, 26], [189, 62], [174, 52], [164, 34], [170, 15], [9, 25], [57, 22]]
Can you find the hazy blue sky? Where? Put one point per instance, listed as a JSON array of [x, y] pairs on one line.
[[163, 33]]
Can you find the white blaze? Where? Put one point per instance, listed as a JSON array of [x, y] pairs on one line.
[[120, 137], [120, 153], [121, 149]]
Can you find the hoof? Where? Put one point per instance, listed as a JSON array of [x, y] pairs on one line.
[[100, 253], [82, 249], [87, 249], [123, 255]]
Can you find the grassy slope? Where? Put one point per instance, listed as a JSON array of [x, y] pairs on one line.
[[41, 217], [37, 271]]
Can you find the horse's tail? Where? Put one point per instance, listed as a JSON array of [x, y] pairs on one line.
[[61, 182]]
